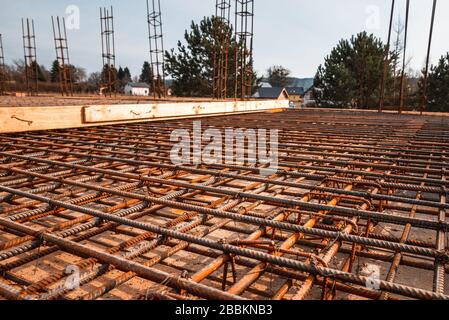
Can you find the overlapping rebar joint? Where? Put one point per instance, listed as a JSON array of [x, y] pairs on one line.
[[30, 57], [244, 34], [65, 69], [110, 201], [156, 41], [222, 37], [109, 72]]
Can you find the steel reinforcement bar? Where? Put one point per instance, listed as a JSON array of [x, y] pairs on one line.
[[355, 207]]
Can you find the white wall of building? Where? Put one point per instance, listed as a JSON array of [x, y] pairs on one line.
[[131, 91]]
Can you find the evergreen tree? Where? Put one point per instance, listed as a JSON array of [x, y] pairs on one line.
[[38, 71], [127, 74], [192, 66], [54, 72], [120, 74], [123, 77], [147, 74], [105, 76], [437, 86], [351, 74]]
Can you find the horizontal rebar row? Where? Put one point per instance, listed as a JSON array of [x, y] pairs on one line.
[[355, 208]]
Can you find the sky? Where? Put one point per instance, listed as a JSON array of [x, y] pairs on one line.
[[296, 34]]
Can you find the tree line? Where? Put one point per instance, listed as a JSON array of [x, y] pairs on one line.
[[49, 78], [352, 73], [349, 77]]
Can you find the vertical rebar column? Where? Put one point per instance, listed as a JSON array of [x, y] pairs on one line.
[[222, 38], [3, 72], [156, 40], [402, 95], [108, 73], [62, 56], [29, 49], [386, 60], [429, 47], [244, 34]]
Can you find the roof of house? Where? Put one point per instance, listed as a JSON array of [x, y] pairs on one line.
[[271, 93], [306, 83], [139, 85], [311, 89], [295, 91]]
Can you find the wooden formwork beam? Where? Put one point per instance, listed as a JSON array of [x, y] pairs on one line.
[[21, 119]]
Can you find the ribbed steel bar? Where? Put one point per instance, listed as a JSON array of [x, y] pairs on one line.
[[109, 201], [188, 285]]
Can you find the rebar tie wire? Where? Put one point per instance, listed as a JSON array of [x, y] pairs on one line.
[[158, 288], [22, 120]]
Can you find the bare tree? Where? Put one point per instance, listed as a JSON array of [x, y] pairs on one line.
[[396, 54]]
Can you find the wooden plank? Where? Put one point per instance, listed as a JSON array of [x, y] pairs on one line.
[[98, 114], [21, 119]]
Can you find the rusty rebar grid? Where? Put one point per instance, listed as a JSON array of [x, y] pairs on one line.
[[3, 71], [222, 37], [31, 66], [244, 35], [156, 42], [108, 84], [65, 69], [352, 188]]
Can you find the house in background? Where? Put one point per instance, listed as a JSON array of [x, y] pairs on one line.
[[296, 94], [272, 93], [309, 98], [137, 89], [299, 91], [265, 84], [305, 83]]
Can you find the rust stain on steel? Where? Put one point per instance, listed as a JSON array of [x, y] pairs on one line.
[[355, 194]]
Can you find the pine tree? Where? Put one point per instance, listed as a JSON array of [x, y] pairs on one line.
[[437, 86], [54, 72], [351, 73], [192, 66], [123, 77], [120, 74], [106, 78], [147, 74], [37, 71], [127, 74]]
